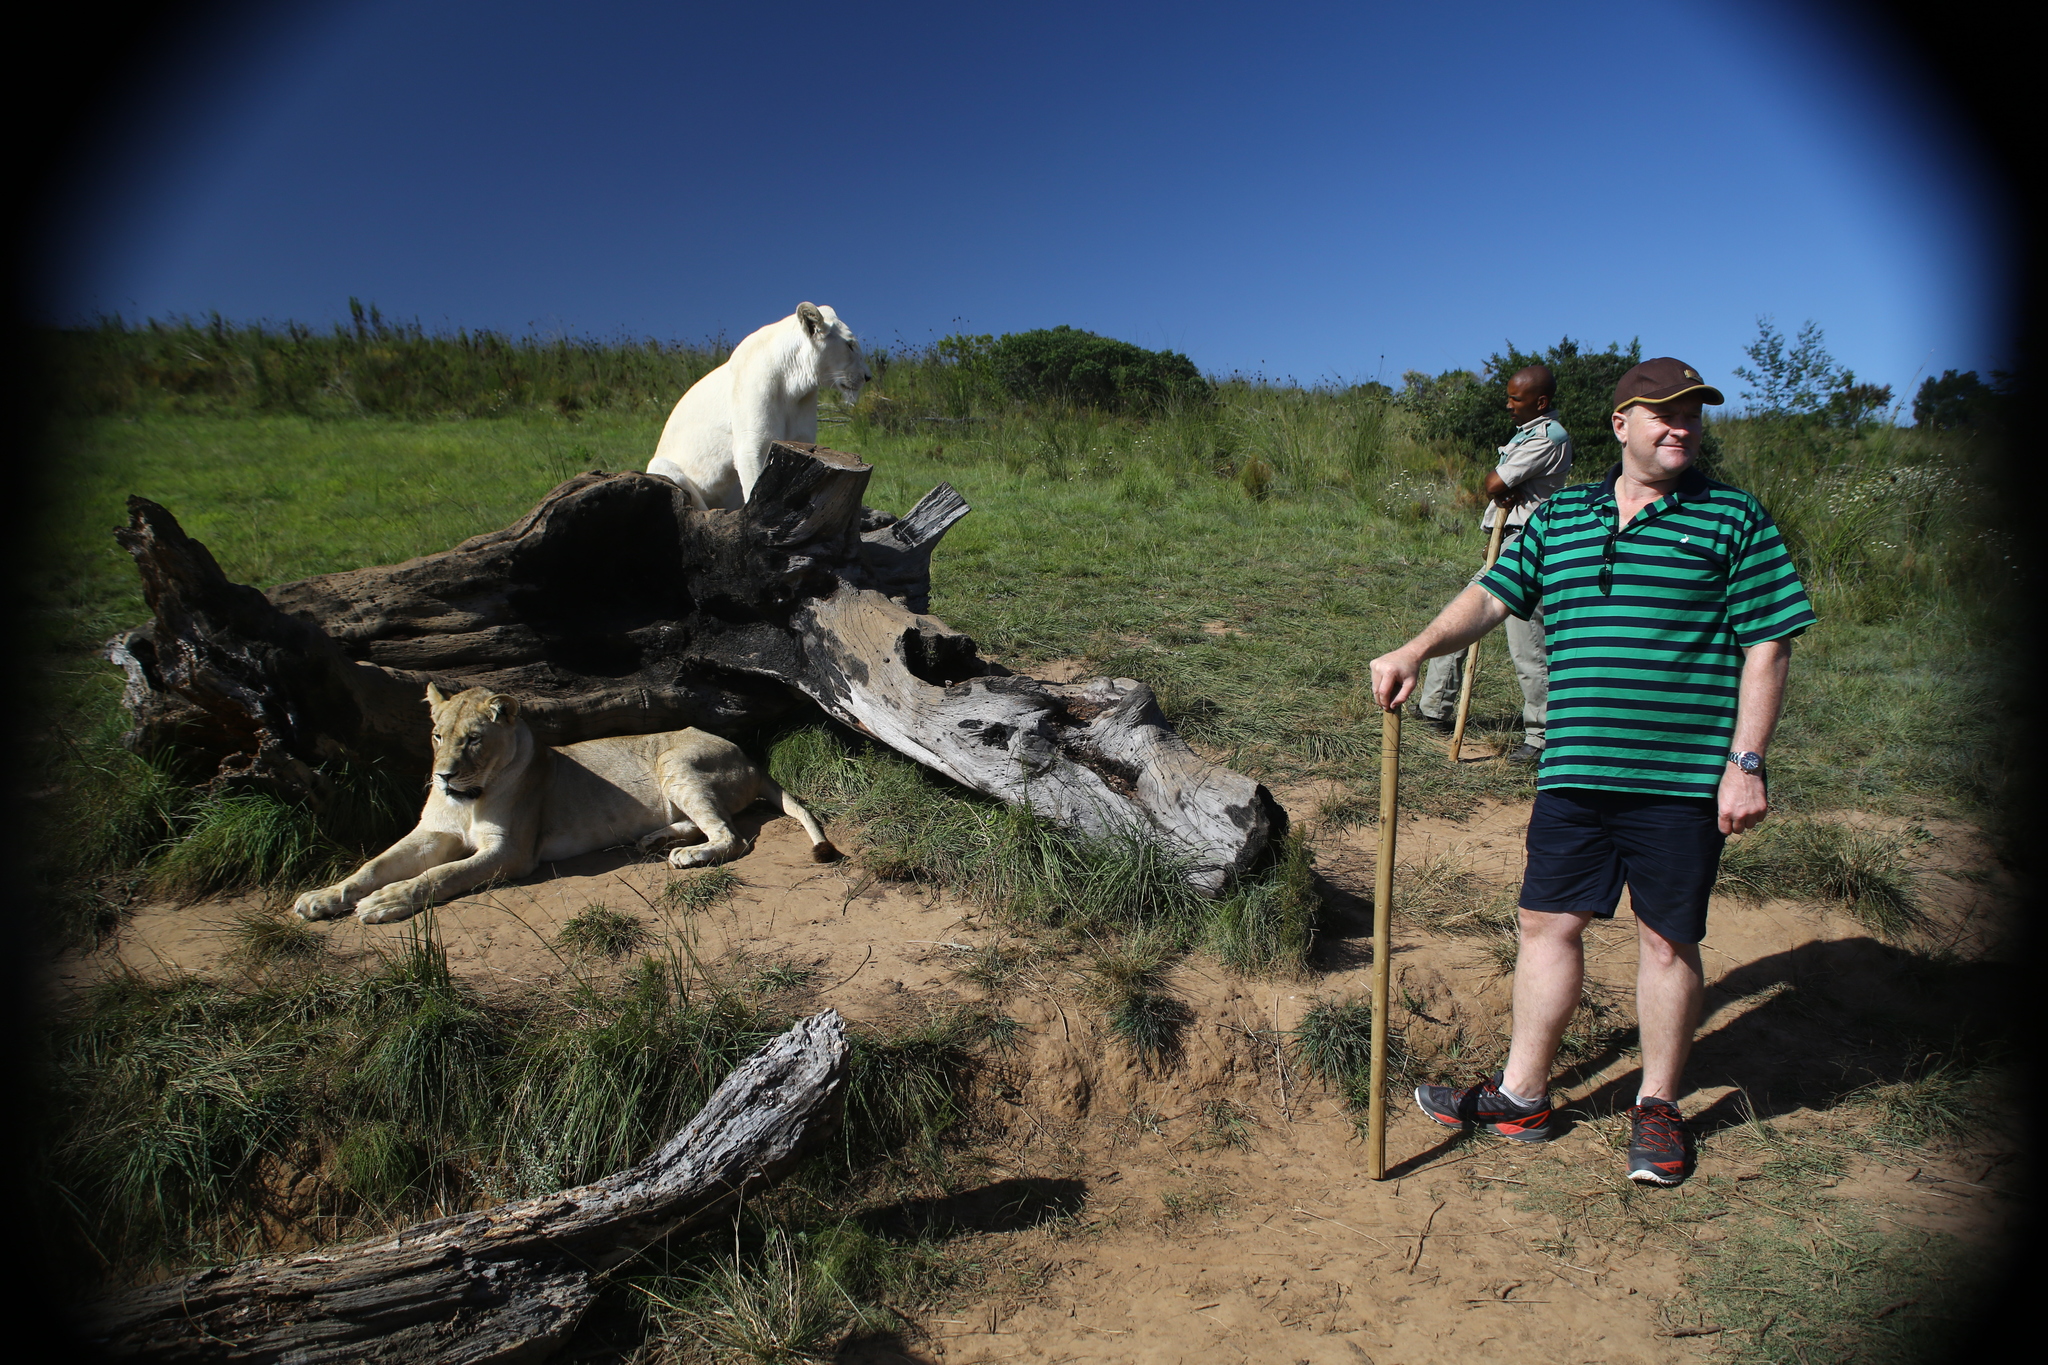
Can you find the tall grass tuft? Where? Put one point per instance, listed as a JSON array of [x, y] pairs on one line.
[[1868, 871], [773, 1307], [600, 931], [380, 1163], [914, 826], [249, 838], [1938, 1101], [1334, 1041], [591, 1089], [1266, 925], [265, 935], [907, 1087], [169, 1098], [1129, 980]]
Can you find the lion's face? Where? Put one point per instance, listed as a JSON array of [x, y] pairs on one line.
[[840, 362], [476, 733]]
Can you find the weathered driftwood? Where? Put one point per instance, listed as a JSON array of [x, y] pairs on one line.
[[615, 608], [505, 1285]]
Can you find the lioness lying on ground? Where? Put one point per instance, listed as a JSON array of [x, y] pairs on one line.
[[501, 804]]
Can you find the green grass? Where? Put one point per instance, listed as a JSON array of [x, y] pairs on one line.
[[1334, 1041], [783, 1292], [265, 935], [252, 837], [1246, 557], [1128, 980], [915, 826], [697, 892], [600, 931], [1868, 871], [770, 1308], [1783, 1267], [1128, 540], [170, 1103]]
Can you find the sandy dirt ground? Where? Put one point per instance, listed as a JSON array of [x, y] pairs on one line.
[[1129, 1228]]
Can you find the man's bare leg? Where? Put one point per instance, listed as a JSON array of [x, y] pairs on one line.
[[1549, 971], [1669, 989]]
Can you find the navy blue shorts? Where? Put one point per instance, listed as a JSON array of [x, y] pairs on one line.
[[1585, 844]]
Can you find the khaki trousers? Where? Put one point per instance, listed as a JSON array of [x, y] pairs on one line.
[[1438, 698]]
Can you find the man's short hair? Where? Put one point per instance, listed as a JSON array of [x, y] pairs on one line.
[[1538, 379]]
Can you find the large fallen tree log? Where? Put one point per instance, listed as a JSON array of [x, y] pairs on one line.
[[614, 607], [509, 1284]]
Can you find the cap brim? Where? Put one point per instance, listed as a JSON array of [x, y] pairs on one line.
[[1707, 392]]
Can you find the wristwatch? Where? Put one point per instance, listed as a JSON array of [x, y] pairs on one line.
[[1749, 763]]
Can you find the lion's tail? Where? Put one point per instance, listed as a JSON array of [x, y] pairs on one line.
[[821, 847]]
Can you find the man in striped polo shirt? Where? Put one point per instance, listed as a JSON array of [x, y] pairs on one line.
[[1670, 605]]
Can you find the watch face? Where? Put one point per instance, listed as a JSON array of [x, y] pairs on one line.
[[1749, 763]]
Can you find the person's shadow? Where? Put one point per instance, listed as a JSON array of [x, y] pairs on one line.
[[1842, 1015]]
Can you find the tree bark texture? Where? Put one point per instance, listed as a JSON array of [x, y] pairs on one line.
[[509, 1284], [614, 607]]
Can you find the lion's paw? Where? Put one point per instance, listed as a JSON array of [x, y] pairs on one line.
[[385, 908], [328, 902], [694, 856]]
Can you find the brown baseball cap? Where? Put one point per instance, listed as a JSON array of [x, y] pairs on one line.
[[1661, 380]]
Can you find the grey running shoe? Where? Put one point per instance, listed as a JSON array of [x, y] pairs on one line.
[[1484, 1105], [1659, 1152]]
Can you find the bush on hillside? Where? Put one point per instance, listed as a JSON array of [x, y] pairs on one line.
[[1068, 365], [1956, 401], [1470, 410], [1803, 383]]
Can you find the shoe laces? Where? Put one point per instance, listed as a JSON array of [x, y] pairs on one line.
[[1656, 1125]]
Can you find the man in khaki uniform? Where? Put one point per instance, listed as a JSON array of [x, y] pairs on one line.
[[1533, 465]]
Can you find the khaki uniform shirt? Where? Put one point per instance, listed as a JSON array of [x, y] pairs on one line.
[[1536, 460]]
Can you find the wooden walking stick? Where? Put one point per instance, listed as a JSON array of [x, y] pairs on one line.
[[1500, 524], [1383, 939]]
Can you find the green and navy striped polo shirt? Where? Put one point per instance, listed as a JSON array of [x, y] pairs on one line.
[[1645, 666]]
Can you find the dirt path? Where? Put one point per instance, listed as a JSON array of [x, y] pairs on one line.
[[1219, 1211]]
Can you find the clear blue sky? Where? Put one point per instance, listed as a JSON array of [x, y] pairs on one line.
[[1309, 190]]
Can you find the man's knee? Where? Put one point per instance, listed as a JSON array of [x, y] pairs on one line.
[[1663, 952], [1551, 926]]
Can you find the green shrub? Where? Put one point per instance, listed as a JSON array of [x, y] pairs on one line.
[[1066, 365], [774, 1307], [1469, 411]]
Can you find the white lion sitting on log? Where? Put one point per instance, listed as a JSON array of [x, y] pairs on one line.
[[717, 439], [500, 804]]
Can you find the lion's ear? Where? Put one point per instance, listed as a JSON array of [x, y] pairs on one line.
[[812, 319], [502, 708], [435, 696]]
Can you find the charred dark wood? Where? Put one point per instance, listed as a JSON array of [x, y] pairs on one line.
[[509, 1284], [614, 607]]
